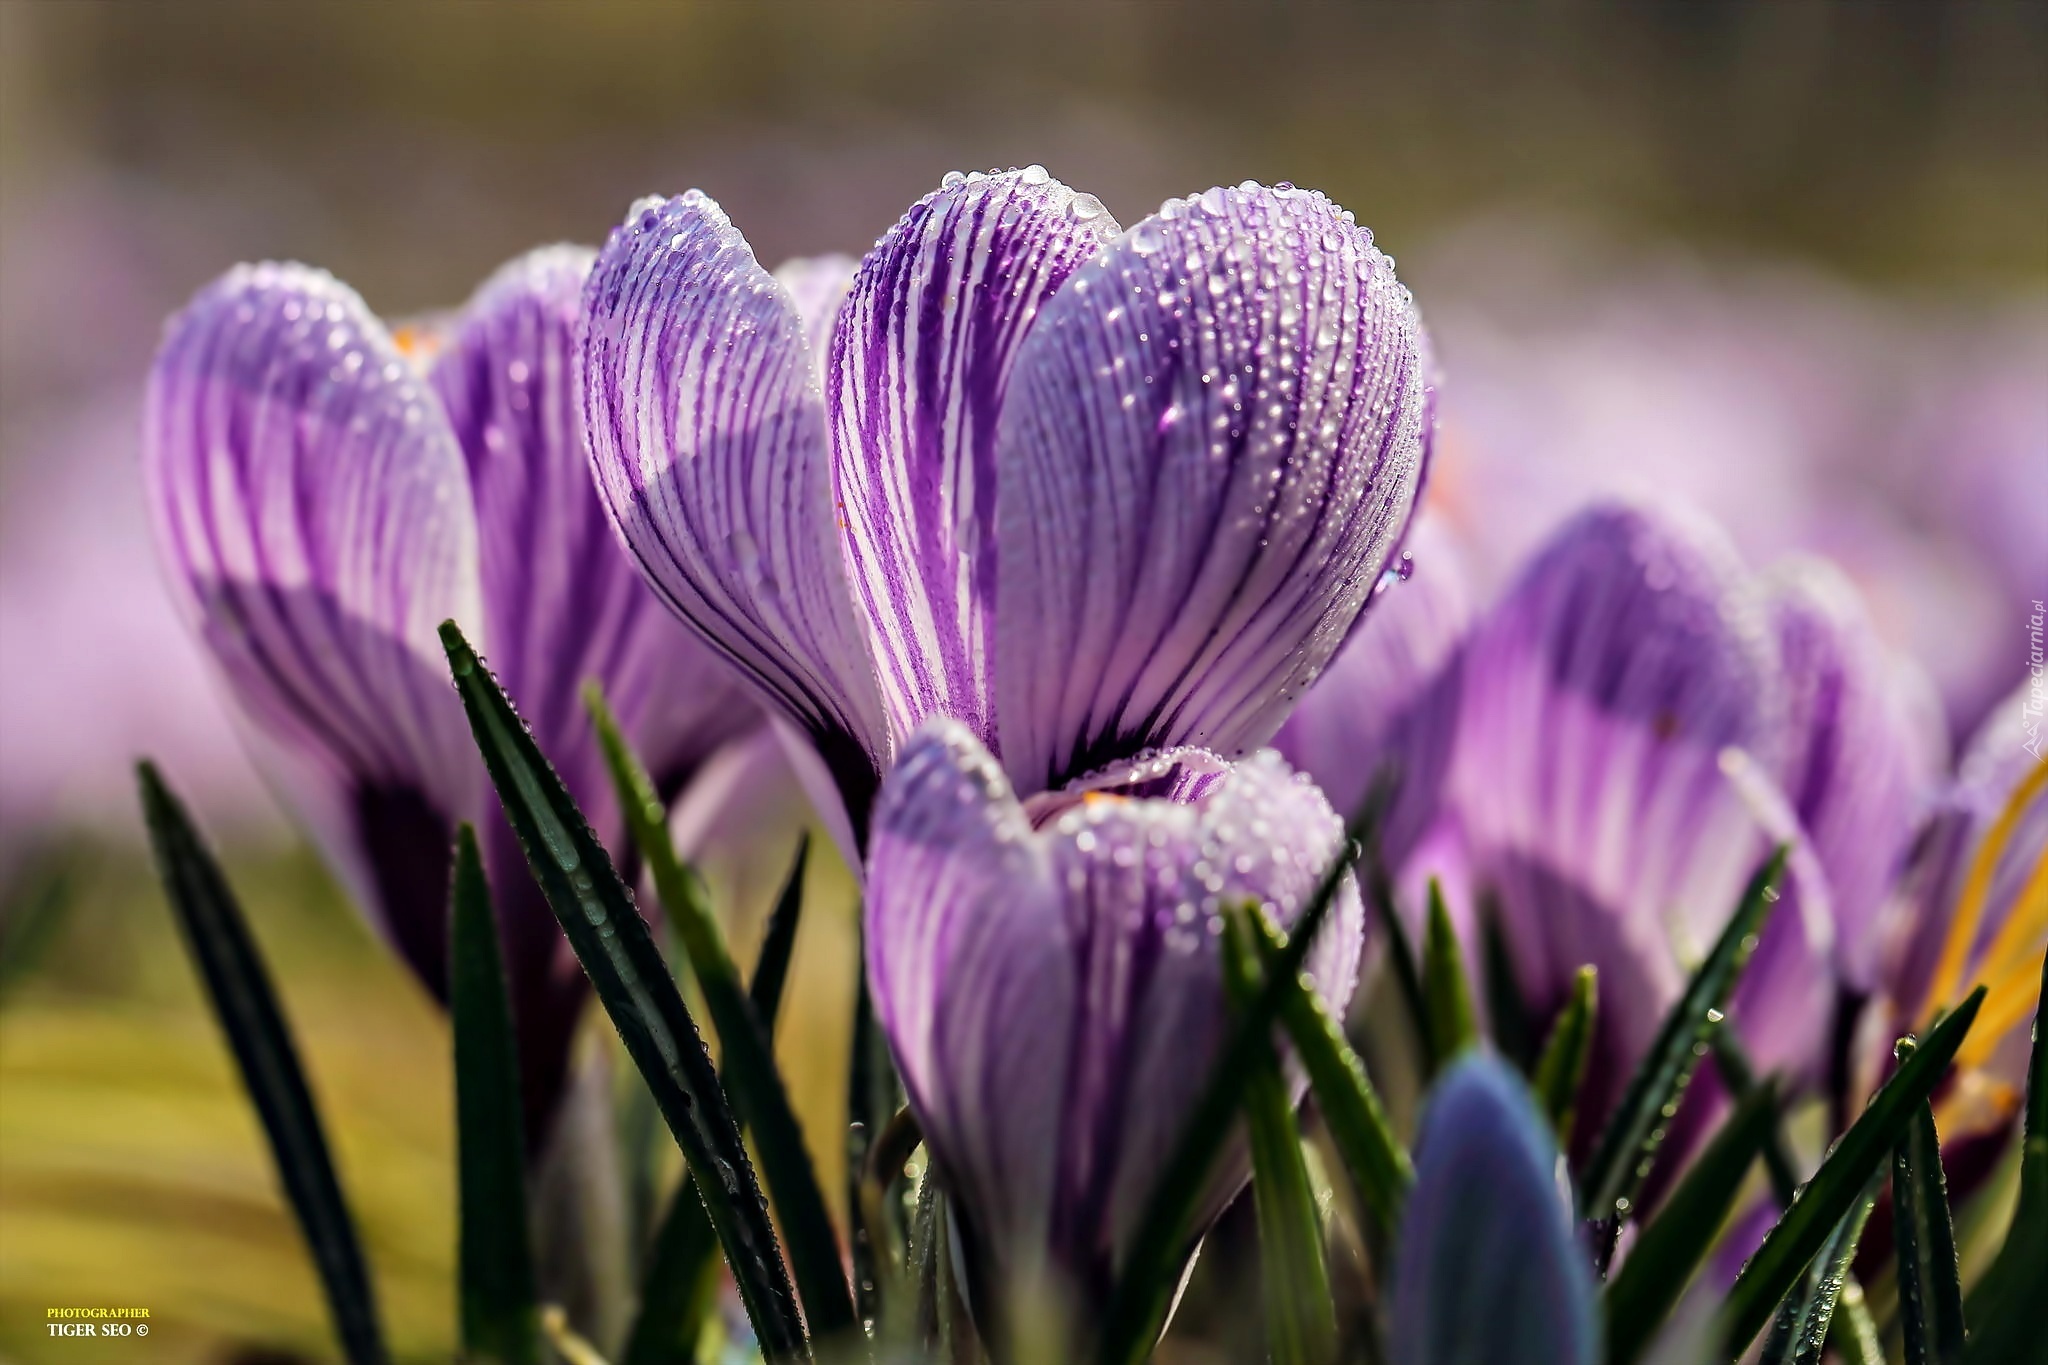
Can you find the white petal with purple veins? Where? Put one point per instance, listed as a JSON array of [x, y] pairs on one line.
[[707, 433], [1054, 994], [314, 513], [921, 364], [1213, 440]]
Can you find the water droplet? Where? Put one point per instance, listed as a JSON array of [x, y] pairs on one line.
[[1035, 174]]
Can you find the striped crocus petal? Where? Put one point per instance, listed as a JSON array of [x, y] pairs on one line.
[[1212, 443], [562, 603], [1391, 695], [921, 362], [1610, 691], [1489, 1269], [1053, 992], [1865, 734], [706, 426], [314, 515]]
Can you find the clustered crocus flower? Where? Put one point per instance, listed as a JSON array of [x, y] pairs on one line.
[[1088, 492], [1608, 753], [1050, 511], [1048, 973], [325, 494]]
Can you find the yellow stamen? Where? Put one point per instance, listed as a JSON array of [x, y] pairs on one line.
[[1948, 971]]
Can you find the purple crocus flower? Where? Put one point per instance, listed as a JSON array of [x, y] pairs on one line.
[[1087, 492], [325, 494], [1972, 907], [1391, 695], [1048, 973], [1630, 728], [1489, 1271]]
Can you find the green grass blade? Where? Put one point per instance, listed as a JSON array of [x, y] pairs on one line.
[[1672, 1246], [1138, 1303], [1446, 991], [1378, 1164], [500, 1309], [2006, 1304], [1731, 1059], [752, 1080], [1300, 1327], [633, 984], [771, 968], [1513, 1031], [1629, 1142], [238, 987], [1562, 1068], [1930, 1284], [1838, 1184], [677, 1289], [1800, 1330], [873, 1097]]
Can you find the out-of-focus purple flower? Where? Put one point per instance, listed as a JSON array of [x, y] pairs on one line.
[[323, 498], [1489, 1267], [1391, 695], [1899, 441], [1048, 973], [1087, 493], [1973, 907], [95, 664], [1865, 741], [1616, 744]]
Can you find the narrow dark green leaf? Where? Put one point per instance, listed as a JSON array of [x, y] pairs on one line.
[[1838, 1184], [1378, 1164], [238, 987], [1629, 1143], [1674, 1243], [1930, 1283], [1731, 1059], [500, 1310], [678, 1290], [632, 982], [1446, 991], [2006, 1304], [1300, 1327], [1562, 1068], [1513, 1030], [1800, 1330], [771, 968], [752, 1079], [37, 900], [942, 1327], [872, 1100], [1377, 884], [1138, 1303]]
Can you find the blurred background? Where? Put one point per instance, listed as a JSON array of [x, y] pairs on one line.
[[1787, 261]]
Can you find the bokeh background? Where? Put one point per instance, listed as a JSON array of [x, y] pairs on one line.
[[1788, 261]]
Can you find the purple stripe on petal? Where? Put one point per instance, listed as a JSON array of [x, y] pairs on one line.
[[707, 435], [565, 604], [1214, 438], [1864, 750], [920, 365], [314, 514], [1054, 995], [1489, 1268]]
